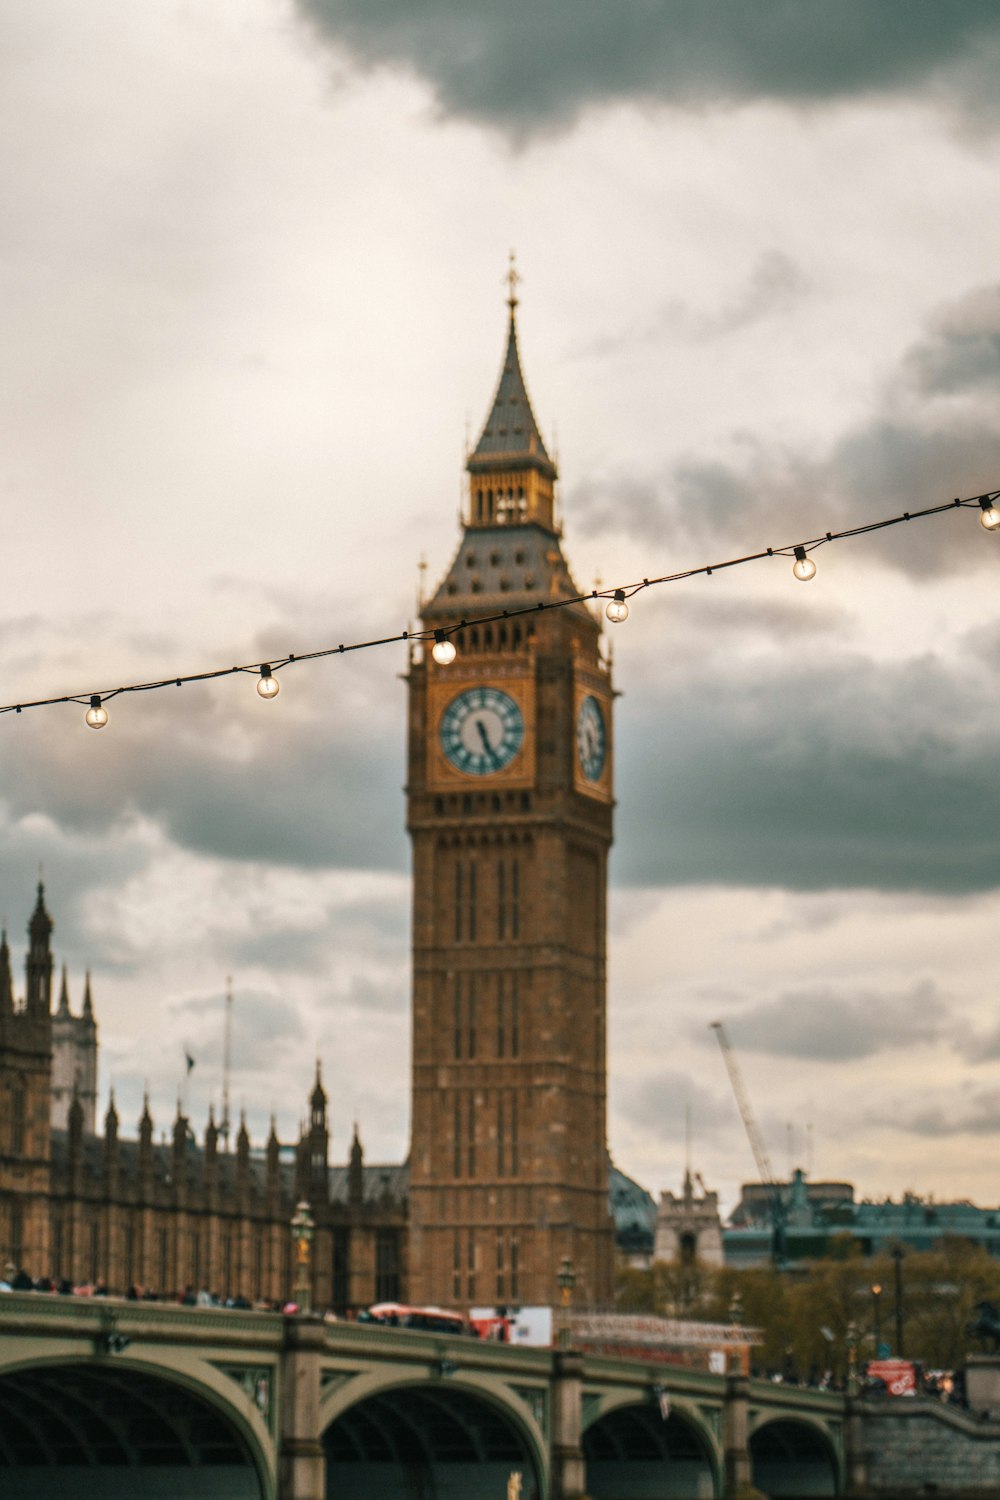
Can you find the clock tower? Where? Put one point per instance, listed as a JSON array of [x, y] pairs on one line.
[[509, 803]]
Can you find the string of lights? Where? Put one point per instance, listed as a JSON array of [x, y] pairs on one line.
[[443, 647]]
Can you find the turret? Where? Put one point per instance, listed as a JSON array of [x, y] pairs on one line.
[[211, 1159], [111, 1153], [88, 1003], [242, 1153], [179, 1154], [38, 967], [146, 1145], [6, 980], [75, 1137], [356, 1171], [273, 1164], [319, 1142]]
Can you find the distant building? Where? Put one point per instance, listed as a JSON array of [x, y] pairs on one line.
[[74, 1060], [817, 1215], [688, 1227]]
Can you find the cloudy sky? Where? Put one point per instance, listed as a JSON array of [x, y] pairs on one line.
[[251, 259]]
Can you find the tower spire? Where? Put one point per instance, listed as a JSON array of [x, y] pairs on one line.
[[512, 277]]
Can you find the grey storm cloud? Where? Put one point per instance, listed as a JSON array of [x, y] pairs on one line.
[[839, 773], [823, 1025], [285, 791], [774, 287], [522, 66], [964, 354], [916, 450]]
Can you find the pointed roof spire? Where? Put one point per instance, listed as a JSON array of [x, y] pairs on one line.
[[41, 923], [64, 994], [6, 980], [511, 433], [318, 1096], [88, 1004]]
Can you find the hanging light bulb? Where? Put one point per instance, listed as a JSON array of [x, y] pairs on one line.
[[96, 715], [803, 566], [617, 610], [268, 686], [989, 516], [443, 650]]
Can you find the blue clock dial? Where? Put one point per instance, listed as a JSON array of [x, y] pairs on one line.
[[481, 731], [591, 738]]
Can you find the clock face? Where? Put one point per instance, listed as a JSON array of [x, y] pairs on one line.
[[481, 731], [591, 739]]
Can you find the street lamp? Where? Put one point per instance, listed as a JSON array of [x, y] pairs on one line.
[[303, 1227], [566, 1280], [897, 1255], [877, 1318]]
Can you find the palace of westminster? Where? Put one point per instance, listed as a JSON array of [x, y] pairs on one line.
[[509, 809]]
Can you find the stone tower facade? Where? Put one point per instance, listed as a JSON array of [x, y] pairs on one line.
[[689, 1226], [509, 801], [74, 1059], [25, 1096]]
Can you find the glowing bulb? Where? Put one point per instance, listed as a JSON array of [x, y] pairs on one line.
[[617, 610], [96, 715], [268, 686], [989, 516], [803, 567], [443, 650]]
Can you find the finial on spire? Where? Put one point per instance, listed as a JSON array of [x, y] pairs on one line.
[[512, 277]]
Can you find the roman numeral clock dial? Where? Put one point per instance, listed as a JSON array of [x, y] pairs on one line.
[[481, 731]]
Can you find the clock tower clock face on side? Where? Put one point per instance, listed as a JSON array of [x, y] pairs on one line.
[[591, 738], [482, 730]]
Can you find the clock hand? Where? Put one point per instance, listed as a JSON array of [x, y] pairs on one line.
[[481, 727]]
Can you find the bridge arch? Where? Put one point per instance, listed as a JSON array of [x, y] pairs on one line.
[[463, 1437], [631, 1453], [794, 1456], [93, 1427]]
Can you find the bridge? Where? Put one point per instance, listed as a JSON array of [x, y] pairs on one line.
[[101, 1396]]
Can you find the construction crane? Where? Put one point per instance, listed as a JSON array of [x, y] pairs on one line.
[[756, 1140]]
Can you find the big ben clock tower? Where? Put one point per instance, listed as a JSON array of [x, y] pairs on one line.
[[510, 811]]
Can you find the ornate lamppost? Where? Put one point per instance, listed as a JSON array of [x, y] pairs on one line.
[[897, 1255], [303, 1227], [877, 1318], [566, 1280]]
